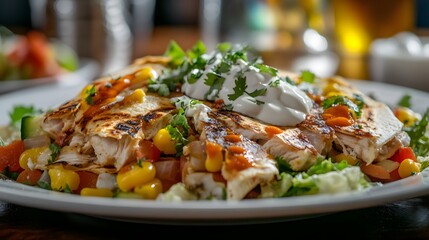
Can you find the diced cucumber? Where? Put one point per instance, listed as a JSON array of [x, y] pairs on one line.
[[31, 126]]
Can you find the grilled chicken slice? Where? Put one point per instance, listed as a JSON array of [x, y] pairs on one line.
[[246, 126], [60, 122], [246, 164], [317, 132], [294, 148], [205, 186], [374, 130]]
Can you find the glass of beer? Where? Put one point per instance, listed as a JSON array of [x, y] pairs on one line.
[[358, 22]]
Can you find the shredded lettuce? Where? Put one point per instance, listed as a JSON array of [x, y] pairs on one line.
[[324, 176]]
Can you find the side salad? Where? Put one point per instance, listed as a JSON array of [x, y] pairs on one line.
[[33, 56]]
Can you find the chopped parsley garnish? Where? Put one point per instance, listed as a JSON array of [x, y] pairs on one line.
[[1, 142], [55, 149], [90, 93], [179, 130], [266, 69], [241, 87], [215, 82]]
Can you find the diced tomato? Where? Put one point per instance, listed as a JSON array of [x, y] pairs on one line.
[[394, 175], [38, 48], [29, 177], [9, 156], [86, 179], [148, 151], [19, 53], [403, 153]]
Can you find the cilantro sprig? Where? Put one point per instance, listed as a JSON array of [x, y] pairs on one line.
[[240, 88], [179, 130]]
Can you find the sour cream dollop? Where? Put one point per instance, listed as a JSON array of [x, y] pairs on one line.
[[266, 96]]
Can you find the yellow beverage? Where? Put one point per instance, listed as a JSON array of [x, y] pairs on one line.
[[359, 22]]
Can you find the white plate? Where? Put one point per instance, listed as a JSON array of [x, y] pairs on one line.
[[87, 70], [209, 212]]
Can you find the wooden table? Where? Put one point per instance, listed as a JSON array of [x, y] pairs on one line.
[[399, 220]]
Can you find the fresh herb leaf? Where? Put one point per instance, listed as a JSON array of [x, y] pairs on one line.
[[258, 92], [176, 53], [418, 132], [290, 81], [215, 82], [239, 89], [179, 130], [223, 67], [194, 76], [266, 69], [405, 101], [90, 93], [55, 149], [308, 76], [2, 143], [224, 47], [20, 111], [197, 50]]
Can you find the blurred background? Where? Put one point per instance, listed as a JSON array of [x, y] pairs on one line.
[[329, 37]]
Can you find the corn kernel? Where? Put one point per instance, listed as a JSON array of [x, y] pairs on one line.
[[96, 192], [144, 74], [61, 178], [163, 142], [29, 157], [408, 167], [136, 176], [136, 97], [150, 190], [214, 164], [214, 160], [407, 116]]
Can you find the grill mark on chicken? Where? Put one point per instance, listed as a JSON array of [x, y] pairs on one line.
[[65, 109], [129, 129]]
